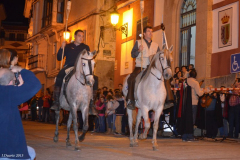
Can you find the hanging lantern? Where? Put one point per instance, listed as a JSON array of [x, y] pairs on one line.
[[114, 17]]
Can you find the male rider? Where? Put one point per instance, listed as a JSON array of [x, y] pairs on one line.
[[71, 52], [148, 48]]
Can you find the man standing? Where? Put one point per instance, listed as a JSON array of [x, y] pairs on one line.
[[71, 53], [13, 141], [184, 72], [188, 107], [147, 49]]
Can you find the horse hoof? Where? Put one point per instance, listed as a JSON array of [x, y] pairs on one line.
[[77, 148], [142, 137], [81, 138], [155, 148], [131, 145], [135, 144], [55, 139], [68, 144]]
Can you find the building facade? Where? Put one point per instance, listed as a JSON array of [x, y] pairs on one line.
[[194, 27], [13, 36], [45, 35]]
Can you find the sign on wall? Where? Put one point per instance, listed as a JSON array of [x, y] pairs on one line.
[[225, 24], [235, 63], [225, 27]]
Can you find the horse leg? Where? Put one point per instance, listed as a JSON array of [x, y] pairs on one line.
[[85, 123], [130, 121], [55, 138], [68, 130], [155, 127], [136, 127], [146, 121], [75, 127]]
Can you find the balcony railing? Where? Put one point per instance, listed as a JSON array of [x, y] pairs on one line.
[[36, 62]]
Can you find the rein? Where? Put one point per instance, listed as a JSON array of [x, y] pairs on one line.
[[90, 71], [163, 69]]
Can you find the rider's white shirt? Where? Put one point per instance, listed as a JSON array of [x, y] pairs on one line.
[[147, 52]]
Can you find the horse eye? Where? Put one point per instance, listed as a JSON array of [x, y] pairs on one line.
[[83, 64]]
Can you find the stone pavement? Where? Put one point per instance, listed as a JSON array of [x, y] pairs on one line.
[[103, 147]]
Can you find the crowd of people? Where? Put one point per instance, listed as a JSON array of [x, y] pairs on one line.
[[210, 110]]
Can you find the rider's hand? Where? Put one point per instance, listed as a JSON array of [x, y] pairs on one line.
[[63, 44], [140, 48], [16, 69]]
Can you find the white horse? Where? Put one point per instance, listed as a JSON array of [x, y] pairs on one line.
[[150, 94], [77, 96]]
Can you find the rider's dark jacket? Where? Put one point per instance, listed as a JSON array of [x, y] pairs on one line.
[[71, 52]]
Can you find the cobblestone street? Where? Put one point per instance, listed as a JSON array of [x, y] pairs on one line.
[[101, 146]]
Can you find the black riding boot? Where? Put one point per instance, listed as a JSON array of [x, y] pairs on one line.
[[170, 98], [56, 94]]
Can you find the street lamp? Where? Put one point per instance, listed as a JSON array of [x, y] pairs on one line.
[[66, 35], [114, 17], [114, 21]]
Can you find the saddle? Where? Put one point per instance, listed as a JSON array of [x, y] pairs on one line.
[[69, 72], [137, 81]]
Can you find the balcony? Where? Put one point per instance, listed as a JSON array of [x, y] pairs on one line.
[[36, 63]]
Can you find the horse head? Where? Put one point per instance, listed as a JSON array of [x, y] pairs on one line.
[[165, 58], [85, 67]]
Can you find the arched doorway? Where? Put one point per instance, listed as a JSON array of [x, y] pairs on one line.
[[188, 32]]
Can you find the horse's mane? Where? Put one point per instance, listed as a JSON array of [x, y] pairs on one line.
[[152, 65]]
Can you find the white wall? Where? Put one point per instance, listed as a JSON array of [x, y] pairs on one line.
[[158, 12], [235, 25]]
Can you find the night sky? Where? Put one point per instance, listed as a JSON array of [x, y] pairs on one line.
[[14, 11]]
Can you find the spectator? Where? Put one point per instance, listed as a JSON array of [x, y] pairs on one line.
[[100, 106], [119, 113], [190, 66], [110, 113], [13, 58], [105, 91], [13, 141], [184, 72], [4, 58], [24, 110], [188, 106], [177, 69], [46, 107], [40, 107], [234, 108], [224, 104], [33, 105]]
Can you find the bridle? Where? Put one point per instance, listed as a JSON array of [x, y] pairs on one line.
[[90, 70], [163, 69]]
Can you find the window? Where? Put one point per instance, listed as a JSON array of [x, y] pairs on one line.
[[20, 37], [11, 36], [47, 13], [145, 20], [188, 32], [60, 11]]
